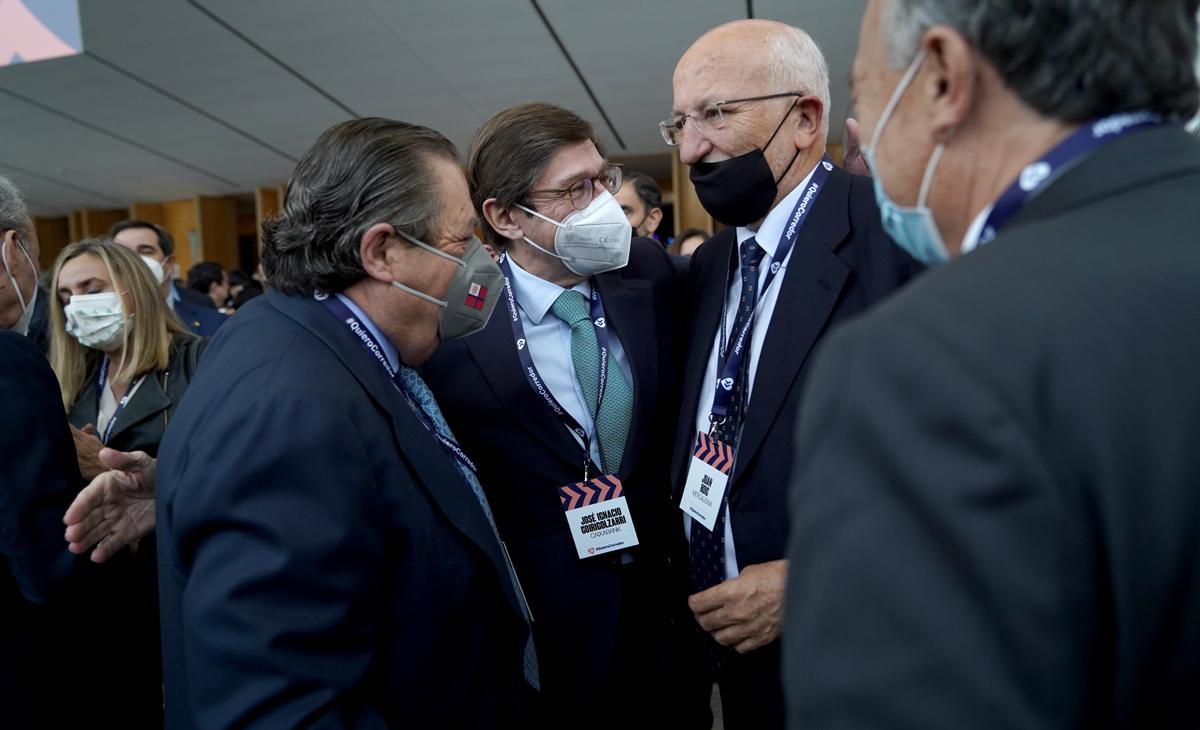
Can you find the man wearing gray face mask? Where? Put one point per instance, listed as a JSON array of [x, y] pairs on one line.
[[567, 401], [38, 479], [337, 563]]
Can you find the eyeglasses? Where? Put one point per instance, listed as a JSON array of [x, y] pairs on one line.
[[709, 118], [582, 192]]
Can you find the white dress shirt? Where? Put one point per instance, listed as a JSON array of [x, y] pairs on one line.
[[767, 236], [548, 340]]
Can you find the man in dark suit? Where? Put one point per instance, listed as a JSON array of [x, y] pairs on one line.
[[602, 616], [996, 507], [38, 478], [156, 247], [327, 557], [803, 251]]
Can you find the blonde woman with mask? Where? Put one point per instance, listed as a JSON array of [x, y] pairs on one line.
[[123, 362]]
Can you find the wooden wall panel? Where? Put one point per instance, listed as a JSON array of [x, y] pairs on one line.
[[218, 229], [53, 236], [97, 222], [266, 203], [689, 213], [151, 212], [181, 221]]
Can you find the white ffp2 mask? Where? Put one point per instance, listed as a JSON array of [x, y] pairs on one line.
[[593, 240]]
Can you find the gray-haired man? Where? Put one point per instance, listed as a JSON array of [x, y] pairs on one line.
[[996, 523]]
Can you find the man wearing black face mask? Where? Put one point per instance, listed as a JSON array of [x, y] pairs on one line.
[[803, 251], [566, 400]]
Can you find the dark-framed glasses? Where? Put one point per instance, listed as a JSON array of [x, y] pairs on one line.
[[582, 192]]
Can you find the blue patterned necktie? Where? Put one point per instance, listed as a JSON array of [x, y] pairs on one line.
[[616, 411], [421, 397], [708, 548]]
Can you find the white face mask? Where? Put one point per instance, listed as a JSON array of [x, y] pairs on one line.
[[156, 268], [593, 240], [96, 320], [22, 324]]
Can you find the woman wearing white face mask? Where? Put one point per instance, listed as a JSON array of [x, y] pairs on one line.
[[123, 362]]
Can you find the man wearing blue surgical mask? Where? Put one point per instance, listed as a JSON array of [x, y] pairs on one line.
[[567, 400], [996, 525], [803, 251]]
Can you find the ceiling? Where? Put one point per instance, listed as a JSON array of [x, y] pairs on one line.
[[174, 98]]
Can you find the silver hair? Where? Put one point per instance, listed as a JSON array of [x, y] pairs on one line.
[[797, 63], [13, 212], [1071, 60]]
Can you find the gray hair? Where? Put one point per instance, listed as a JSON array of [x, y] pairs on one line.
[[797, 63], [13, 212], [358, 173], [1071, 60]]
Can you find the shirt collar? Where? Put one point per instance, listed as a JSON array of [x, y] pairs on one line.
[[535, 295], [971, 240], [389, 350], [771, 230], [172, 294]]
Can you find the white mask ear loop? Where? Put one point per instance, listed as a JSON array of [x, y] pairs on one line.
[[913, 67], [539, 215], [927, 181]]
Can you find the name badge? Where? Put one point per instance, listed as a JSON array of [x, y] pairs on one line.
[[708, 475], [598, 516]]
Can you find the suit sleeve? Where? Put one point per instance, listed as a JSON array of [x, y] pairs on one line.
[[929, 549], [275, 532], [40, 474]]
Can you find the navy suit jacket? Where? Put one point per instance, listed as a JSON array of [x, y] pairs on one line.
[[203, 321], [524, 454], [322, 561], [842, 264]]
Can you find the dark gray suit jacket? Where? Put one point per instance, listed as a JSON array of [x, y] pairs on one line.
[[996, 504]]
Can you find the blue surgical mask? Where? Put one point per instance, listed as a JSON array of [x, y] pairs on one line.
[[913, 229]]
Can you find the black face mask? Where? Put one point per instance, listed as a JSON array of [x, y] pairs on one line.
[[740, 190]]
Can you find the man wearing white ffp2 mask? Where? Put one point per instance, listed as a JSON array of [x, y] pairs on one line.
[[576, 373]]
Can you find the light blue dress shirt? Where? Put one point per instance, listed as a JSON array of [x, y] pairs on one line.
[[389, 350], [548, 340]]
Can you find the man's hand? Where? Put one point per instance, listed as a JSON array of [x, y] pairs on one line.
[[745, 612], [853, 161], [116, 509], [87, 447]]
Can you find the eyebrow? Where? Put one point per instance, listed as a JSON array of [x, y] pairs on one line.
[[583, 175], [82, 284]]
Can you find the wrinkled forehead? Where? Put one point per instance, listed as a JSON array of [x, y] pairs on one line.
[[718, 71]]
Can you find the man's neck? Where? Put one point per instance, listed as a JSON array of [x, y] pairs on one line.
[[994, 157], [800, 169], [368, 295], [543, 266]]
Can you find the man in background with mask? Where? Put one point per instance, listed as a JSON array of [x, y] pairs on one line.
[[641, 200], [336, 564], [156, 247], [803, 251], [995, 512], [38, 479], [566, 403]]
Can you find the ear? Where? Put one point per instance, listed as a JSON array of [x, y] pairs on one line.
[[502, 221], [810, 112], [949, 80], [168, 265], [377, 249], [653, 218]]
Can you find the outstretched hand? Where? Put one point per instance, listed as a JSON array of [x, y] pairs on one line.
[[116, 509]]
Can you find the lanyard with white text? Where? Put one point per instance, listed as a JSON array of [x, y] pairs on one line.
[[342, 312], [1036, 176], [729, 370], [101, 380], [534, 377]]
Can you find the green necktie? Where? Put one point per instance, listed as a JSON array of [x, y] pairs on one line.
[[616, 411]]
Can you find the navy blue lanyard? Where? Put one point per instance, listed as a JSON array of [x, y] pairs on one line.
[[599, 323], [1035, 177], [729, 370], [101, 380], [342, 312]]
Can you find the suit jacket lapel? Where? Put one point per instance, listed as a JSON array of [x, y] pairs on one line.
[[811, 286], [708, 301], [496, 355], [435, 468], [629, 309]]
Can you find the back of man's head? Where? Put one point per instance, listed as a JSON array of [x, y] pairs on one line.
[[511, 150], [14, 214], [203, 275], [1071, 60]]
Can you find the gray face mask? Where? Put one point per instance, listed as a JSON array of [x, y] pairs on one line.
[[473, 293]]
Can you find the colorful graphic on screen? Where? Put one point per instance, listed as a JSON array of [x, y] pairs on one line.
[[34, 30]]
